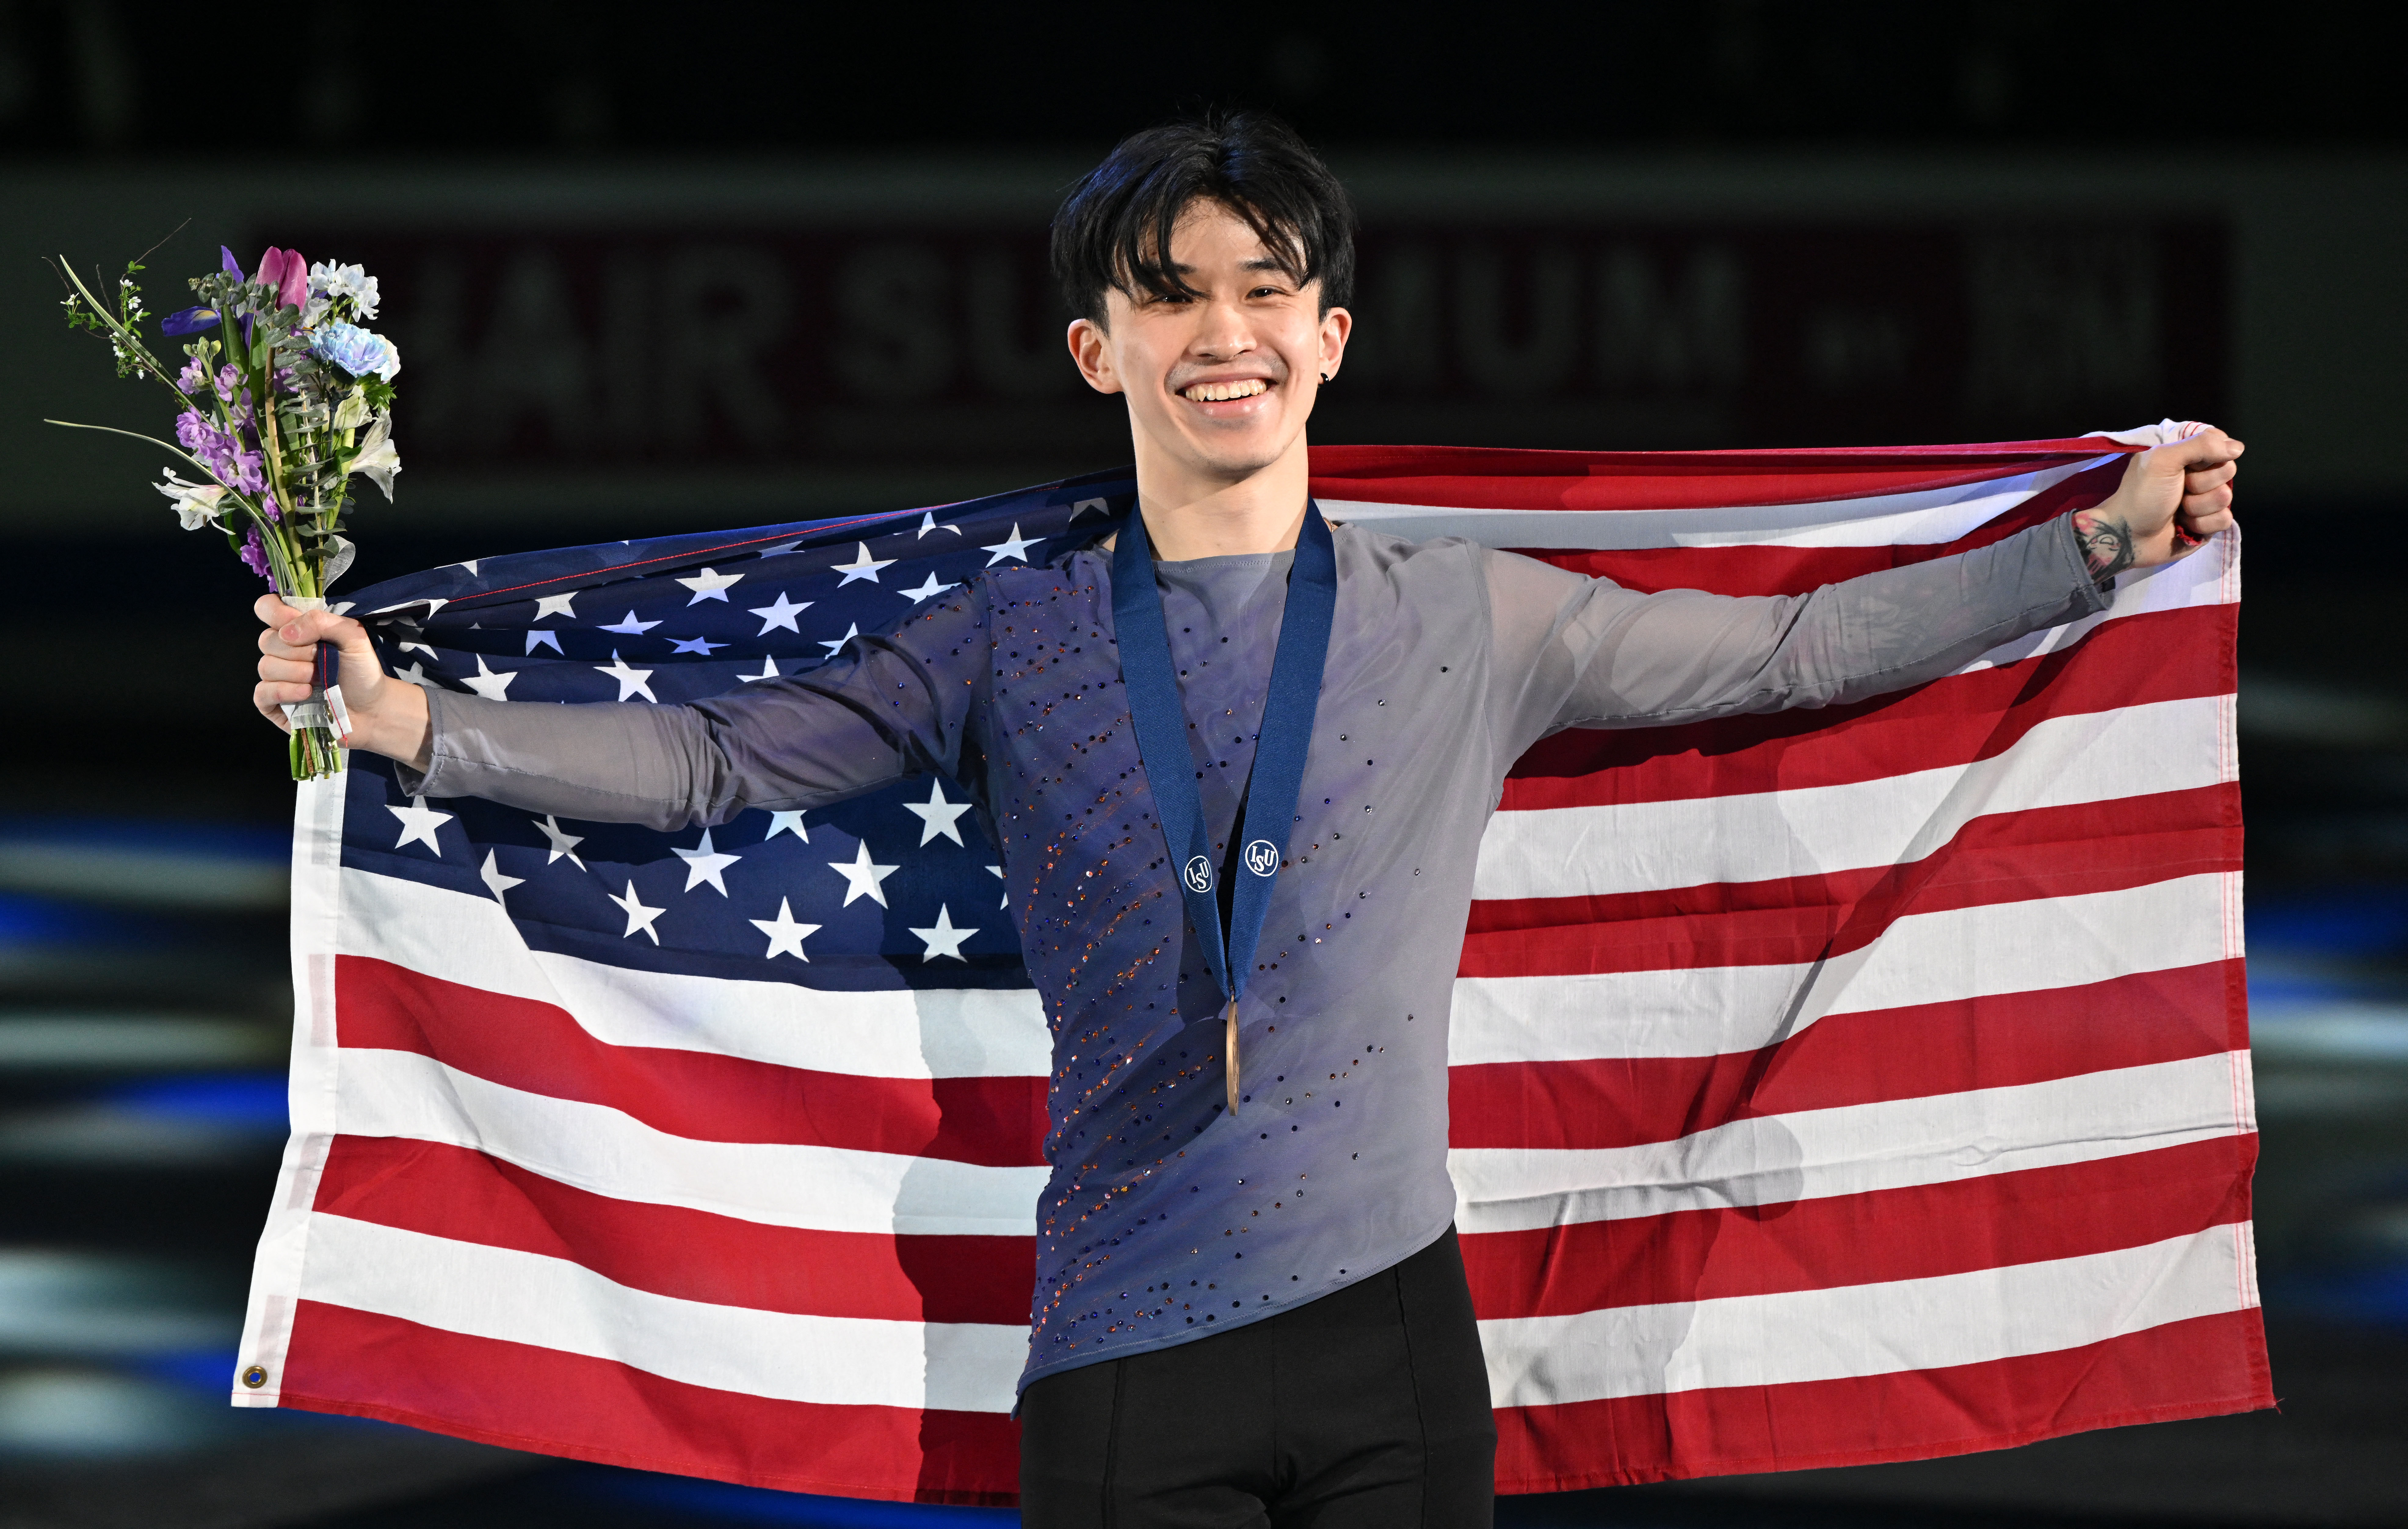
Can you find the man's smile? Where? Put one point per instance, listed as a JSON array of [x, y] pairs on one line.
[[1225, 391]]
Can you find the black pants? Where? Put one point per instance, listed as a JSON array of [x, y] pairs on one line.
[[1367, 1407]]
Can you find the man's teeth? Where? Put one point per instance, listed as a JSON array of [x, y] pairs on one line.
[[1223, 391]]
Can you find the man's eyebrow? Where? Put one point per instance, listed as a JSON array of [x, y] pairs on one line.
[[1260, 263]]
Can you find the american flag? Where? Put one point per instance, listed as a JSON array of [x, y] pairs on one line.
[[1831, 1087]]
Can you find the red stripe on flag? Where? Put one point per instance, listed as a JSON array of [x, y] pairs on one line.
[[459, 1193], [1793, 570], [540, 1049], [1493, 478], [2046, 852], [1918, 1231], [1995, 1041], [525, 1397], [2191, 1369], [2132, 661]]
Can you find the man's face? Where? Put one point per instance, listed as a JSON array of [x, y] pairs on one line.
[[1219, 386]]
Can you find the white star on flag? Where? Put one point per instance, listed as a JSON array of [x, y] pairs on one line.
[[703, 863], [1014, 545], [1007, 891], [710, 585], [1085, 505], [487, 684], [548, 639], [555, 605], [787, 823], [944, 940], [928, 522], [931, 587], [786, 935], [405, 646], [694, 644], [938, 815], [470, 563], [850, 633], [564, 842], [862, 566], [638, 916], [493, 877], [632, 681], [779, 612], [631, 626], [768, 671], [415, 674], [862, 878], [420, 822]]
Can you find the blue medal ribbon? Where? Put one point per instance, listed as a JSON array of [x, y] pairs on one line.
[[1270, 803]]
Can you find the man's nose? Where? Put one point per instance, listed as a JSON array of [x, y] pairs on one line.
[[1221, 332]]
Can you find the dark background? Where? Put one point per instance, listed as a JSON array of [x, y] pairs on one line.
[[685, 267]]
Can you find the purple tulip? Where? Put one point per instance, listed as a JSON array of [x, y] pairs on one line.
[[189, 320], [288, 273]]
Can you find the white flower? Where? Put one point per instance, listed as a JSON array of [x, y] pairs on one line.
[[353, 281], [197, 504], [376, 460]]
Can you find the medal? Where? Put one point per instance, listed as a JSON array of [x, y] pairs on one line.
[[1270, 803]]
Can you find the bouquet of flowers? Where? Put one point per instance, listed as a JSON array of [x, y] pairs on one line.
[[278, 410]]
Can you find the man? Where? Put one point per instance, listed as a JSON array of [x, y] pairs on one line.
[[1238, 763]]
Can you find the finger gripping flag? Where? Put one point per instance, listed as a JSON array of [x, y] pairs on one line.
[[1859, 1084]]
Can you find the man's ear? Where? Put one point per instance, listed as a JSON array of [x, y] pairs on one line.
[[1091, 347], [1337, 327]]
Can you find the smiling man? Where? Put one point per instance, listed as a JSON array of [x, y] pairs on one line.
[[1241, 898]]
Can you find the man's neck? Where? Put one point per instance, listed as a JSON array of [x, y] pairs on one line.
[[1193, 515]]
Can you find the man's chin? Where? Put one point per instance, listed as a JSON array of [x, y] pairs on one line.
[[1236, 459]]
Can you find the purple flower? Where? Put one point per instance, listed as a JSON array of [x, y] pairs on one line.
[[189, 320], [244, 475], [255, 556], [194, 377], [288, 273], [196, 435], [228, 264]]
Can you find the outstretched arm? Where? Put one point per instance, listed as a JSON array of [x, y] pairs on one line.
[[1574, 651], [898, 704]]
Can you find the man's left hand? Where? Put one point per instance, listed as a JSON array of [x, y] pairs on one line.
[[2172, 497]]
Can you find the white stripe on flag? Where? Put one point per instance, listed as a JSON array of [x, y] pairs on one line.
[[896, 1032], [1917, 518], [1856, 1330], [1928, 957], [593, 1146], [550, 1302], [1857, 1149], [1643, 846]]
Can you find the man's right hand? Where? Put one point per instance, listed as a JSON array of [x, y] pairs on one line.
[[388, 715]]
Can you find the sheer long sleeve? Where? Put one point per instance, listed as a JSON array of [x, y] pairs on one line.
[[896, 704], [1577, 652]]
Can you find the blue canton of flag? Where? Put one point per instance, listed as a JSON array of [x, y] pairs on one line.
[[901, 887]]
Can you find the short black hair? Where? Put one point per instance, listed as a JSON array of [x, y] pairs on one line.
[[1113, 230]]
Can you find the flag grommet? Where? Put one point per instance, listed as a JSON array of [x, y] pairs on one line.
[[255, 1376]]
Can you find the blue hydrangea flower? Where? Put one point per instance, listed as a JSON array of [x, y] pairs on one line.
[[356, 350]]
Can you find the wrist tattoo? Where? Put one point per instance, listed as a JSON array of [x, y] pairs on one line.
[[2106, 544]]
